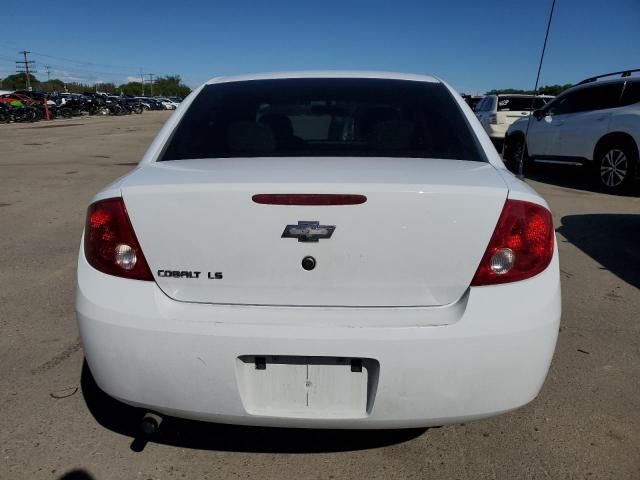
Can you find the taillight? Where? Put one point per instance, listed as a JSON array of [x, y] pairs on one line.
[[493, 119], [521, 245], [110, 244]]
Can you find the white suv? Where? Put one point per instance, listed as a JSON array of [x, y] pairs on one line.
[[497, 112], [595, 124]]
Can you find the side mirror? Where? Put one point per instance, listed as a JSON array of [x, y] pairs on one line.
[[538, 114]]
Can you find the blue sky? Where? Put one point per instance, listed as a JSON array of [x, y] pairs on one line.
[[474, 45]]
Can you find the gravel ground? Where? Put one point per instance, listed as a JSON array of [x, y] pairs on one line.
[[584, 425]]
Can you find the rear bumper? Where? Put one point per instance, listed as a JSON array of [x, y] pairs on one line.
[[181, 359]]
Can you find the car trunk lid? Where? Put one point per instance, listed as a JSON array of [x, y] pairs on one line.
[[417, 240]]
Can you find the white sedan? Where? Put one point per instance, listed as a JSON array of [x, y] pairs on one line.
[[320, 249], [167, 104]]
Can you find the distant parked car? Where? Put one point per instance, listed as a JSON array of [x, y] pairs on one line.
[[497, 112], [176, 99], [472, 100], [167, 104], [149, 103], [596, 124], [34, 95], [15, 99]]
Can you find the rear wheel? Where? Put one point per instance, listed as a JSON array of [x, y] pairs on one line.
[[30, 114], [615, 166], [515, 151]]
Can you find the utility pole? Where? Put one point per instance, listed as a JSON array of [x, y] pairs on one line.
[[142, 81], [47, 68], [26, 65], [150, 75]]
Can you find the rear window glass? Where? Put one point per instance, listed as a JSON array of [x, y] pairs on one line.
[[519, 104], [323, 117]]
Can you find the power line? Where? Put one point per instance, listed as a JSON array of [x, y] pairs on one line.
[[81, 62], [84, 74]]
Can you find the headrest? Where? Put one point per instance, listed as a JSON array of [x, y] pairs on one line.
[[391, 135], [251, 138]]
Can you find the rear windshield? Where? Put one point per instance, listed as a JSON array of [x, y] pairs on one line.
[[323, 117], [519, 104]]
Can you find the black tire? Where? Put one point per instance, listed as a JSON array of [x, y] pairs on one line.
[[4, 117], [615, 166], [515, 148], [30, 114], [66, 113]]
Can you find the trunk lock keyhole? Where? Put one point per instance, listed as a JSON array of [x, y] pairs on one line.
[[308, 263]]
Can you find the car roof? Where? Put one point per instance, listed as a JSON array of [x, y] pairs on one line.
[[611, 81], [325, 74]]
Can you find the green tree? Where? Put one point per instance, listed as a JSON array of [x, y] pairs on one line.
[[53, 85], [170, 86], [544, 90], [106, 88], [76, 87], [18, 81], [132, 88], [554, 89], [499, 91]]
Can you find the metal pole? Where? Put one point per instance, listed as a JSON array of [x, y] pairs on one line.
[[535, 92]]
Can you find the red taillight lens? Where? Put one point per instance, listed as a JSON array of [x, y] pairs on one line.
[[110, 244], [521, 245]]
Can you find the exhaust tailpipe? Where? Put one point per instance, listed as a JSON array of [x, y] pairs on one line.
[[150, 423]]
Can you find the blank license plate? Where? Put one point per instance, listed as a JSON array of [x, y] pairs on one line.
[[308, 387]]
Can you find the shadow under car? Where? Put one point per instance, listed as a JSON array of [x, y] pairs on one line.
[[125, 420], [611, 239]]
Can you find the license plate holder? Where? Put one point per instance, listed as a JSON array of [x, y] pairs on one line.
[[307, 387]]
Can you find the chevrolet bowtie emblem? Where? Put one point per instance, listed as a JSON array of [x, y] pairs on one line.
[[308, 231]]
